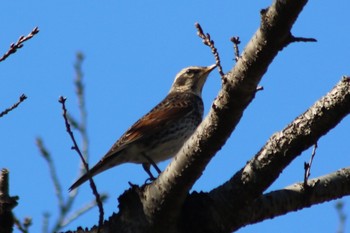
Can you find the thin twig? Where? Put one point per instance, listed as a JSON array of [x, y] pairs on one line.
[[53, 173], [208, 42], [83, 210], [45, 226], [23, 227], [19, 44], [80, 90], [21, 99], [65, 205], [302, 39], [75, 147], [339, 206], [73, 122], [307, 166], [57, 187], [82, 125], [235, 40]]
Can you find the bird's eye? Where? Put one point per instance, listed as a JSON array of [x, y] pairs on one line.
[[189, 71]]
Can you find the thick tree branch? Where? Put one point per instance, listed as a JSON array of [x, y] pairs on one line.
[[162, 200], [295, 197], [282, 148], [227, 203], [159, 207]]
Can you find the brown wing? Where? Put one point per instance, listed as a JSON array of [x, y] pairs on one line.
[[169, 110]]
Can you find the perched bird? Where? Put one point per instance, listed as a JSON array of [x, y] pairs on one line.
[[160, 134]]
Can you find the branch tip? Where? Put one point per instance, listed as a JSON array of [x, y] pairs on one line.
[[301, 39], [235, 40], [75, 147], [6, 111], [210, 43], [19, 44]]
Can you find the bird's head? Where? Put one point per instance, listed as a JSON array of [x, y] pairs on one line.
[[191, 79]]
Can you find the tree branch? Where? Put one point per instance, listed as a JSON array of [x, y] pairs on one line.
[[165, 203], [75, 147], [227, 203], [7, 203], [166, 195], [295, 197], [19, 44], [22, 98]]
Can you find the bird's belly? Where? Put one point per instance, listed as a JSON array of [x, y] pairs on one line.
[[163, 147]]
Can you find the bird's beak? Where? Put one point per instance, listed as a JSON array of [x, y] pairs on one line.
[[210, 68]]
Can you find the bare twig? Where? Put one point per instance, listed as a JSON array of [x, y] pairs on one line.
[[65, 204], [75, 147], [57, 186], [81, 125], [339, 206], [19, 44], [73, 122], [21, 99], [23, 227], [80, 90], [45, 226], [47, 156], [208, 42], [302, 39], [235, 40], [307, 166], [83, 210]]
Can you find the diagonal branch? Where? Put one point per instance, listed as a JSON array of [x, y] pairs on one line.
[[19, 44], [294, 197], [22, 98], [163, 199], [260, 172], [227, 203]]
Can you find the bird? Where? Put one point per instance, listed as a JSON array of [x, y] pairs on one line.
[[160, 134]]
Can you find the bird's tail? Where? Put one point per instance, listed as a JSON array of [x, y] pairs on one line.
[[101, 166], [84, 178], [80, 181]]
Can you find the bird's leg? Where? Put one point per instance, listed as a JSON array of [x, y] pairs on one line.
[[152, 163], [146, 167]]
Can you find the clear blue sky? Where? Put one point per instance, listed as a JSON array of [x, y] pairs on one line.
[[133, 50]]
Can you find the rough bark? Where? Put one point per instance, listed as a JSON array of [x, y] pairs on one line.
[[7, 203], [166, 206]]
